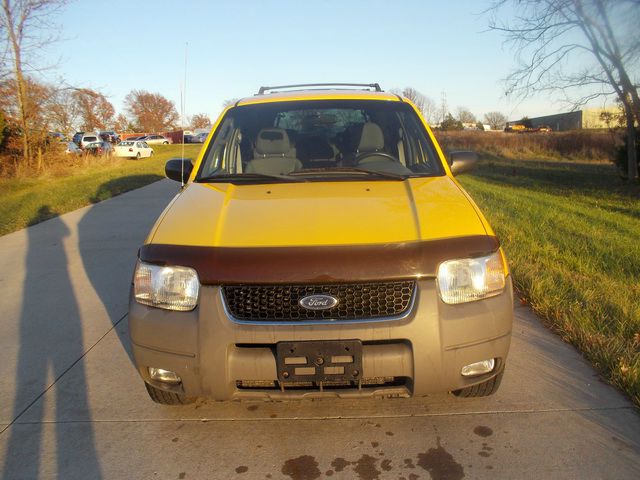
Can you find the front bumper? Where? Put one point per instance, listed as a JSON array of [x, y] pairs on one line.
[[422, 352]]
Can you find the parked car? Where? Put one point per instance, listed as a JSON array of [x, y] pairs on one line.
[[109, 136], [138, 149], [88, 138], [77, 137], [156, 140], [353, 265], [99, 148], [517, 128], [201, 137], [72, 149]]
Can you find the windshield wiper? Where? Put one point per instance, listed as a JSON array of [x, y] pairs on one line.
[[394, 176], [247, 176]]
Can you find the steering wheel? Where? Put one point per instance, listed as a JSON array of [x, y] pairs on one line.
[[361, 157]]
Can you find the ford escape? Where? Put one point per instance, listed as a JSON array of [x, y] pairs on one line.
[[320, 246]]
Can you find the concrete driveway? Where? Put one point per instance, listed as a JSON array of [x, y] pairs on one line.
[[73, 407]]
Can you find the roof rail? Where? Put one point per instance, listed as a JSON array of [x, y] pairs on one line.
[[375, 86]]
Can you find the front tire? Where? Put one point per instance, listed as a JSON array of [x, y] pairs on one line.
[[138, 156], [167, 398], [165, 143], [483, 389]]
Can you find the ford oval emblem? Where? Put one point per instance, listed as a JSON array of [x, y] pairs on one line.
[[318, 302]]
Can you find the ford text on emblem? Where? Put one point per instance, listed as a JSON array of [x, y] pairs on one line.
[[318, 302]]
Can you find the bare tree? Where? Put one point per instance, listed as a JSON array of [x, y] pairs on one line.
[[38, 104], [602, 34], [425, 104], [464, 115], [415, 96], [62, 111], [93, 109], [151, 111], [23, 24], [200, 120], [496, 120], [122, 124]]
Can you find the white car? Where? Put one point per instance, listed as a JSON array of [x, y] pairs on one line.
[[156, 140], [137, 149]]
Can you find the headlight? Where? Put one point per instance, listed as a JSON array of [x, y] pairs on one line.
[[171, 288], [470, 279]]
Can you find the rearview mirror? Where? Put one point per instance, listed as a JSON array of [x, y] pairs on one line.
[[178, 169], [462, 161]]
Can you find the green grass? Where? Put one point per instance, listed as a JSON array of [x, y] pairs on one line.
[[572, 236], [27, 201]]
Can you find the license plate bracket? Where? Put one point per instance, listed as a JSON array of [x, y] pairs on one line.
[[319, 361]]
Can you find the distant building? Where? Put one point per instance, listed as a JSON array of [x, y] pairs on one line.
[[580, 119]]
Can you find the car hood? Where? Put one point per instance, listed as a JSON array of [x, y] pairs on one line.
[[317, 213]]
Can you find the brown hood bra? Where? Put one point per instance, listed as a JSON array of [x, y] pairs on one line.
[[318, 264]]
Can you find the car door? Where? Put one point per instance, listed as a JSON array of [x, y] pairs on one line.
[[146, 149]]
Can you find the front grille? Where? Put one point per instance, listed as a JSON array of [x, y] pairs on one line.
[[356, 301]]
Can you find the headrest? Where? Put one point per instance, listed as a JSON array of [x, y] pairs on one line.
[[273, 141], [371, 139]]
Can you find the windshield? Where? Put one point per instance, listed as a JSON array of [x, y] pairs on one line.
[[319, 140]]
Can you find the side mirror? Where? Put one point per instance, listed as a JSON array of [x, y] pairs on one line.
[[462, 161], [175, 168]]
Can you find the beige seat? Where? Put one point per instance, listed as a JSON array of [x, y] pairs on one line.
[[273, 154], [371, 139], [372, 142]]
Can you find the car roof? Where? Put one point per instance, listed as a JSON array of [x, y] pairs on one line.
[[319, 94]]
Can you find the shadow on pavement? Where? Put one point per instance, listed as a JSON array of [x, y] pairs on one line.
[[121, 185], [51, 342], [109, 236]]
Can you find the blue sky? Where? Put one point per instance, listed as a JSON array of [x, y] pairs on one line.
[[235, 46]]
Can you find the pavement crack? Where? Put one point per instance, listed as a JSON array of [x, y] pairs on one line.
[[341, 417]]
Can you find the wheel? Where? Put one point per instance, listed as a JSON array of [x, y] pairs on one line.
[[483, 389], [165, 143], [167, 398], [151, 154], [138, 156]]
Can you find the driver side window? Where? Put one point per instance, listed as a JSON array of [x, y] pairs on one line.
[[214, 158]]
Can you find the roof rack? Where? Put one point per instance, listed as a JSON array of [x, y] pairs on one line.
[[375, 86]]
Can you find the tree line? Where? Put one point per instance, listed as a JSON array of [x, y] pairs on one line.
[[440, 117], [31, 108]]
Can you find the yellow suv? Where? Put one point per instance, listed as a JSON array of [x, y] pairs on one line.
[[320, 246]]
